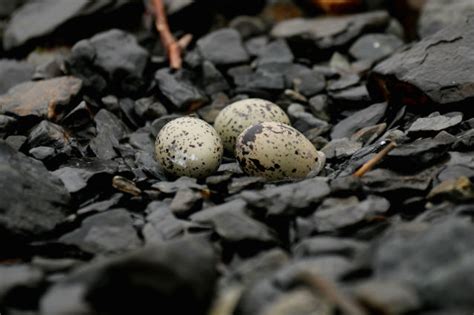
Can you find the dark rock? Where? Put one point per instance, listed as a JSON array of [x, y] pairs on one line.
[[77, 173], [465, 141], [29, 191], [178, 88], [334, 214], [8, 6], [319, 107], [110, 130], [420, 153], [256, 45], [375, 47], [233, 225], [142, 281], [6, 123], [100, 206], [158, 123], [45, 99], [16, 72], [325, 34], [363, 118], [146, 162], [112, 59], [48, 134], [424, 257], [186, 201], [344, 82], [340, 149], [142, 140], [354, 97], [105, 233], [304, 121], [244, 183], [309, 83], [435, 123], [417, 77], [162, 225], [18, 279], [438, 14], [223, 47], [48, 16], [368, 135], [386, 181], [42, 153], [326, 245], [16, 142], [213, 80], [275, 52], [148, 108], [79, 117], [288, 199], [248, 26]]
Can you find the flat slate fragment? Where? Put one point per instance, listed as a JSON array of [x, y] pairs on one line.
[[437, 70], [32, 201], [45, 99]]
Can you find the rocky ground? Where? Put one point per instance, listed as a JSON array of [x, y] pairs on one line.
[[90, 224]]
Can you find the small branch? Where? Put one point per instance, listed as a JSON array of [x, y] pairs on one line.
[[171, 45], [375, 160]]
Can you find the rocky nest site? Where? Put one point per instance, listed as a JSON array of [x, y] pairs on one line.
[[224, 157]]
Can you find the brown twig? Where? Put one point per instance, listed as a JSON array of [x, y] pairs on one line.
[[172, 46], [375, 160]]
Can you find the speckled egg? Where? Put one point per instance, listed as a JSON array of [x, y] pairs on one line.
[[234, 118], [277, 151], [189, 147]]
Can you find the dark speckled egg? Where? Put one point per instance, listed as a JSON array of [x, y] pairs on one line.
[[189, 147], [234, 118], [277, 151]]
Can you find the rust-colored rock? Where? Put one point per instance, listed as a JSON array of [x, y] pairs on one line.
[[47, 99]]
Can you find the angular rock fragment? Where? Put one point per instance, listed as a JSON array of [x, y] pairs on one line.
[[141, 281], [32, 201], [288, 199], [437, 14], [435, 123], [341, 213], [109, 232], [16, 72], [437, 70], [275, 52], [110, 130], [325, 34], [109, 60], [341, 148], [48, 134], [179, 90], [363, 118], [45, 99], [223, 47], [424, 257], [375, 47], [233, 225]]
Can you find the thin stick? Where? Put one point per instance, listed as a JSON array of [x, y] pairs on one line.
[[171, 44], [375, 160]]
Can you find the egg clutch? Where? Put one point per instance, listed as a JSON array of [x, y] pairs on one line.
[[255, 131]]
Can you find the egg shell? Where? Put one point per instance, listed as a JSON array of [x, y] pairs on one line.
[[236, 117], [276, 151], [189, 147]]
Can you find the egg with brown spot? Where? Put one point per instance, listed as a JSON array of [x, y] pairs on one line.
[[236, 117], [277, 151], [189, 146]]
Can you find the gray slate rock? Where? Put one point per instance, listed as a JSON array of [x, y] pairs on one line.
[[112, 59], [179, 89], [358, 120], [231, 222], [16, 277], [437, 14], [375, 47], [275, 52], [33, 201], [417, 77], [223, 47], [435, 123], [109, 232], [141, 282], [341, 148], [288, 199], [431, 258], [14, 72]]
